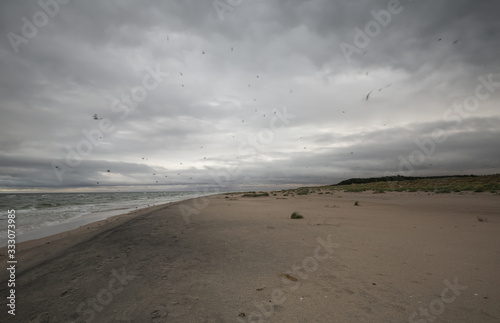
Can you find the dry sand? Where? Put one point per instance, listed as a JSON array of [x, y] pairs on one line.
[[397, 257]]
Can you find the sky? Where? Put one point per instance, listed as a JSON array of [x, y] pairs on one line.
[[239, 94]]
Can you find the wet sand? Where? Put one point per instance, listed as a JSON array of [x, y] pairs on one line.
[[395, 257]]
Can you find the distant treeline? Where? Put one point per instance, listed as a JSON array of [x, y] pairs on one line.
[[397, 178]]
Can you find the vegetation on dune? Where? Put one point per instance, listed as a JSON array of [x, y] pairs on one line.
[[296, 215], [437, 184], [379, 185], [255, 194]]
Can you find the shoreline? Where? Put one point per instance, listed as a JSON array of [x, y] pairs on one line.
[[382, 259], [76, 222]]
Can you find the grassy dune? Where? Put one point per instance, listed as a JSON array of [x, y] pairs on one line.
[[486, 183]]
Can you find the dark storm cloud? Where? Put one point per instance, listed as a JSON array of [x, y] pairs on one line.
[[212, 110]]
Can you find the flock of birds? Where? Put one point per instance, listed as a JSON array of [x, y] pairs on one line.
[[367, 97]]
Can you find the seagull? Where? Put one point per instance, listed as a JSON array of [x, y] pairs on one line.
[[368, 95], [439, 39], [384, 87], [456, 41]]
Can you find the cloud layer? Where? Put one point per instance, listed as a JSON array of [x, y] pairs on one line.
[[248, 94]]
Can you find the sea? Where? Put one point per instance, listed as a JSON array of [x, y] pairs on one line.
[[39, 215]]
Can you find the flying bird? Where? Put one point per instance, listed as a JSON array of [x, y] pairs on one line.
[[384, 87], [368, 95], [439, 39], [455, 42]]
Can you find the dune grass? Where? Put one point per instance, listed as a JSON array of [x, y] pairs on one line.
[[255, 194]]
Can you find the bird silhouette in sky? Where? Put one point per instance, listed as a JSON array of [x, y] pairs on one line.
[[455, 42], [368, 95], [384, 87]]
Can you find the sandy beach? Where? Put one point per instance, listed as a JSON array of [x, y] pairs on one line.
[[394, 257]]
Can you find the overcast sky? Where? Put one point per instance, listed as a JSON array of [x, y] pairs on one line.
[[240, 94]]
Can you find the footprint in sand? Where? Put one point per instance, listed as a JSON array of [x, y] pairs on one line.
[[66, 293], [40, 318], [159, 316]]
